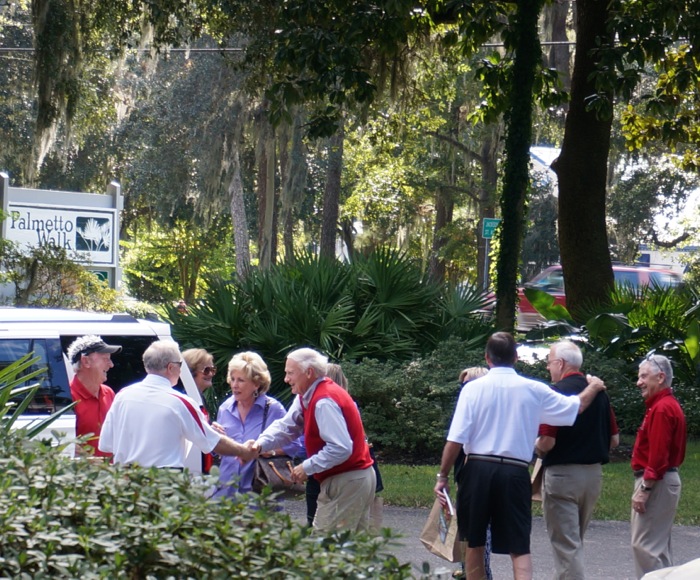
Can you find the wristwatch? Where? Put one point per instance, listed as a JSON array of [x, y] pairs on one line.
[[646, 488], [273, 453], [442, 477]]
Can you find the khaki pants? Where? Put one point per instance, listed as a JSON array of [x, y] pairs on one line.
[[651, 531], [345, 500], [570, 493]]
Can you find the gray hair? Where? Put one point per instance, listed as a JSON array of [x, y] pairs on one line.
[[308, 358], [471, 373], [662, 364], [161, 352], [568, 352], [80, 344]]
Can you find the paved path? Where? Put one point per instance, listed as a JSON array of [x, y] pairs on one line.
[[607, 553]]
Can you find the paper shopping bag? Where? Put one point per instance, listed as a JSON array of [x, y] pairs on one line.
[[440, 534], [536, 479]]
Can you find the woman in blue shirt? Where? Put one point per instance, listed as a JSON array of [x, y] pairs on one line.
[[241, 416]]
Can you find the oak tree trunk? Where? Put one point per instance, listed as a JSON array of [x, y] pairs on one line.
[[517, 153], [331, 193], [582, 171]]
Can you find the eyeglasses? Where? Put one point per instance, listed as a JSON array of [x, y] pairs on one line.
[[208, 371], [551, 360], [177, 362]]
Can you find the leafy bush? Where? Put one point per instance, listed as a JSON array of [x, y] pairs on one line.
[[49, 276], [379, 306], [82, 519], [407, 407], [67, 518]]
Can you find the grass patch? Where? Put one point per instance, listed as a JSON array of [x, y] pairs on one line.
[[412, 486]]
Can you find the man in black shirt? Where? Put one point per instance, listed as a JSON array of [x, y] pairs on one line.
[[572, 460]]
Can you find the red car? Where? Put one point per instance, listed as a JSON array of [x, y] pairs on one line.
[[551, 280]]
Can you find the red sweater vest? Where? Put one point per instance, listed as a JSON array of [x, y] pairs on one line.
[[359, 458]]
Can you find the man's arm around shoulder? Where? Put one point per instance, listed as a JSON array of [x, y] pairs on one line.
[[595, 386]]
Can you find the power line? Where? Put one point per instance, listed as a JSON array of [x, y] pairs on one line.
[[140, 50]]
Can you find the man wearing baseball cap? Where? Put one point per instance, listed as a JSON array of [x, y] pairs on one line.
[[91, 358]]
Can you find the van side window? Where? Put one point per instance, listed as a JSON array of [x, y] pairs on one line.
[[53, 393], [128, 364]]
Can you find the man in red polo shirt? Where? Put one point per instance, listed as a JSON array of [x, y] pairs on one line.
[[658, 452], [91, 358]]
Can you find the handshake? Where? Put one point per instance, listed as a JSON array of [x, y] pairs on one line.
[[250, 450]]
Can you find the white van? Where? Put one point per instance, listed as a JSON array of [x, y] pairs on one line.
[[48, 332]]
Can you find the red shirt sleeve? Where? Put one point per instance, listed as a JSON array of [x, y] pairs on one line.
[[660, 435], [614, 429], [547, 431]]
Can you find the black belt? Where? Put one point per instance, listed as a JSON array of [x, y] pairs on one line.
[[498, 459], [640, 472]]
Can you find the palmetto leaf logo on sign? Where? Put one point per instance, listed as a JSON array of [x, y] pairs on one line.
[[93, 234]]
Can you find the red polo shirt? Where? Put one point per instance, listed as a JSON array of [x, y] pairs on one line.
[[660, 442], [90, 412]]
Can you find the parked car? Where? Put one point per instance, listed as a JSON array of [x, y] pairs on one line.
[[48, 333], [551, 280]]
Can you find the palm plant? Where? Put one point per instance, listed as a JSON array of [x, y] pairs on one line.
[[636, 322], [378, 306], [16, 396]]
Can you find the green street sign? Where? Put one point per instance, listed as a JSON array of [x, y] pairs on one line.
[[488, 227]]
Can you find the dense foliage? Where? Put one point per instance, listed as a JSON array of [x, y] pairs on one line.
[[80, 519], [67, 518], [379, 306], [407, 407]]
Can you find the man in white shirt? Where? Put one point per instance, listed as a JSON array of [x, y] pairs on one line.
[[496, 423], [149, 423]]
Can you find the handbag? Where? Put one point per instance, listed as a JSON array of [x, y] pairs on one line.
[[275, 472], [440, 535]]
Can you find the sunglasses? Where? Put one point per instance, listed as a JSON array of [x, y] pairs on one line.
[[208, 371]]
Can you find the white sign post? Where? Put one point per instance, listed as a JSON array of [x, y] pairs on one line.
[[86, 225]]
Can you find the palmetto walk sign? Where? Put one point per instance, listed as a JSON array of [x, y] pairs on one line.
[[86, 225]]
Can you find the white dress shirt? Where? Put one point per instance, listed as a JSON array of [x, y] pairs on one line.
[[151, 424]]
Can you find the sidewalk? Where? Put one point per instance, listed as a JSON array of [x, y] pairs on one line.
[[608, 554]]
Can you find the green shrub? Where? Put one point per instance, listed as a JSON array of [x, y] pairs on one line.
[[82, 519], [378, 306], [407, 407]]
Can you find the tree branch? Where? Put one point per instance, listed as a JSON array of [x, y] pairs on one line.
[[672, 243], [456, 144]]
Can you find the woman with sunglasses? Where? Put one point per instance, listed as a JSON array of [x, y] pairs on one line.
[[245, 415], [201, 365]]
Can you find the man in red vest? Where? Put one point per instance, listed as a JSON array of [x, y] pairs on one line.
[[336, 447]]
